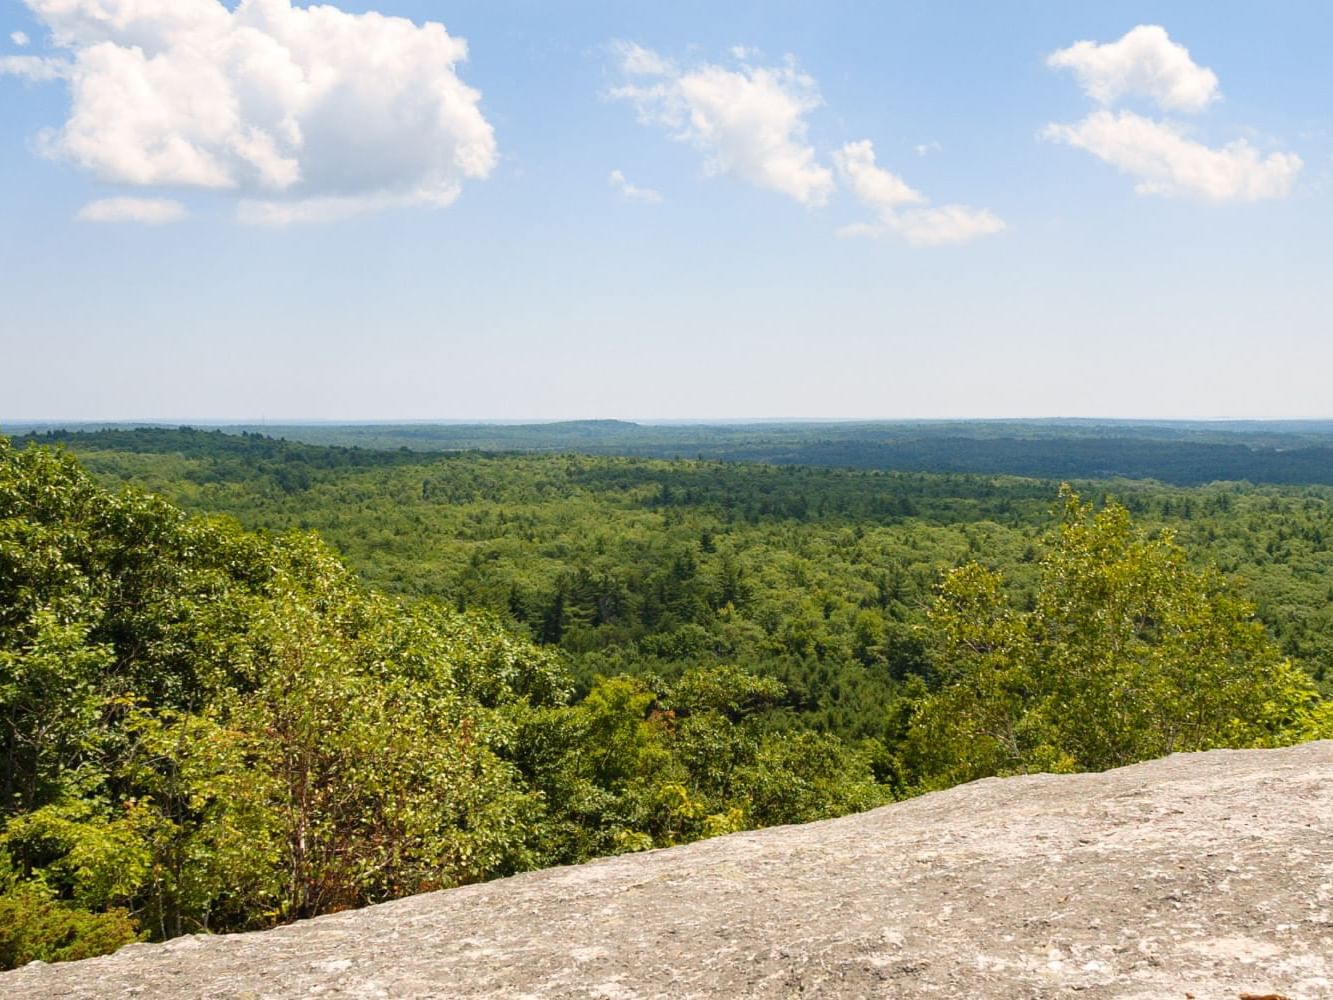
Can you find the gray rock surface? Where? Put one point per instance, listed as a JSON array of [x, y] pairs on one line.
[[1200, 875]]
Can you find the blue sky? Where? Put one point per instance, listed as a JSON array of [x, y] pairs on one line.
[[823, 210]]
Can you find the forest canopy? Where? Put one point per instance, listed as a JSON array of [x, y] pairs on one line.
[[213, 726]]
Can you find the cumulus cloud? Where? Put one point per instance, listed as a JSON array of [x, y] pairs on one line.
[[902, 209], [305, 113], [147, 211], [1167, 162], [750, 122], [19, 38], [1144, 63], [1159, 153], [629, 191]]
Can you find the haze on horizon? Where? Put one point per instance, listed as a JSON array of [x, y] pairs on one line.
[[229, 212]]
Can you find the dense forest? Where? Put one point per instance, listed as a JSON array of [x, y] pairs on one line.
[[632, 564], [245, 680]]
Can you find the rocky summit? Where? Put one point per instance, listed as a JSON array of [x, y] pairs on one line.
[[1203, 876]]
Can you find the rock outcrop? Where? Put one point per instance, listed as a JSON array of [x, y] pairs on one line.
[[1200, 875]]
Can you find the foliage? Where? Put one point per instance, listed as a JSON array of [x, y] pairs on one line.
[[35, 926], [209, 729], [1128, 654], [214, 730], [816, 577]]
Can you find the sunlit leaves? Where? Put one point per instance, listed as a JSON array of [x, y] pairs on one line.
[[1129, 653]]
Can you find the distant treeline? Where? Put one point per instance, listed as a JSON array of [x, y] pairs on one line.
[[1183, 463], [1184, 454]]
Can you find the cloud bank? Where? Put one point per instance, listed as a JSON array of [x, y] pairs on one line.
[[1159, 154], [301, 113]]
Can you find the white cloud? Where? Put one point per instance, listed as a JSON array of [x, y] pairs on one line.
[[629, 191], [1159, 153], [1166, 162], [873, 185], [1144, 63], [638, 61], [888, 195], [333, 208], [148, 211], [19, 38], [39, 69], [749, 121], [923, 227], [926, 148], [294, 108]]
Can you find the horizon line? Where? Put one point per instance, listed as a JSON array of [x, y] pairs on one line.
[[219, 422]]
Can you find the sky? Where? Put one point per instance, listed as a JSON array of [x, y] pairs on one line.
[[412, 210]]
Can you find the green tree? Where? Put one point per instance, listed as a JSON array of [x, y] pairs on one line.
[[1129, 653]]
